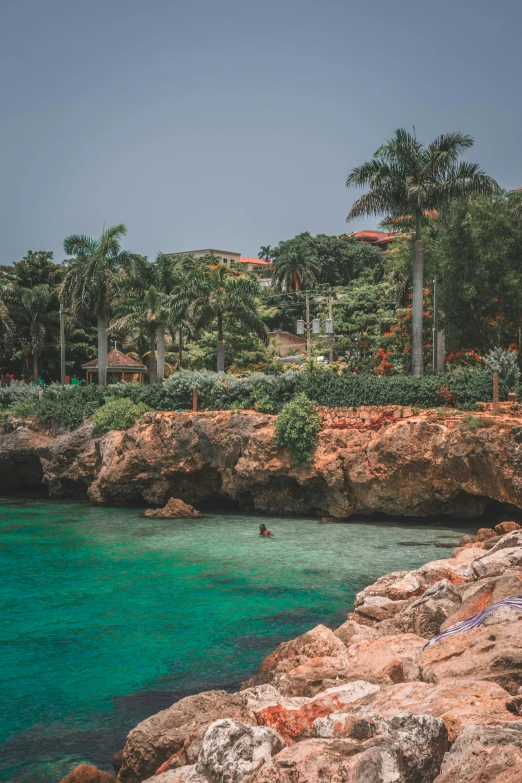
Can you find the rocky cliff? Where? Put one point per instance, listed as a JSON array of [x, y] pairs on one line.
[[387, 460], [368, 702]]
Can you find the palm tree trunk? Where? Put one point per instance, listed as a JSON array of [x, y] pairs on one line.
[[160, 337], [35, 367], [102, 349], [297, 282], [220, 346], [153, 362], [180, 347], [418, 296]]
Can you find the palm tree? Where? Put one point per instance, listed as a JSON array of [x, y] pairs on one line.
[[145, 311], [295, 268], [209, 296], [408, 178], [34, 310], [264, 253], [93, 279]]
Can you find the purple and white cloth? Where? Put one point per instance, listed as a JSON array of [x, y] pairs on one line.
[[476, 619]]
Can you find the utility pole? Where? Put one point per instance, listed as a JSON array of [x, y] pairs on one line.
[[62, 345], [331, 335], [434, 330], [308, 342]]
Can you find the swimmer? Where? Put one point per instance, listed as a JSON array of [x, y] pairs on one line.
[[263, 531]]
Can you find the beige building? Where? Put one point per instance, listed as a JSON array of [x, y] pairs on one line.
[[226, 256], [286, 344]]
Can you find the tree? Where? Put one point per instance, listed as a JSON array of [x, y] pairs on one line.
[[406, 177], [210, 295], [34, 309], [264, 253], [92, 281], [295, 266]]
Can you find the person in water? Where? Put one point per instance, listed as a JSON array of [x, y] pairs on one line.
[[264, 531]]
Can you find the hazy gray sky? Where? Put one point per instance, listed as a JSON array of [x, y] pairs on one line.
[[233, 123]]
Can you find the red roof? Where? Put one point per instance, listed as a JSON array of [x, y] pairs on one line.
[[257, 261], [118, 359]]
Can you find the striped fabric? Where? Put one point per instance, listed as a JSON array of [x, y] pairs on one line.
[[476, 619]]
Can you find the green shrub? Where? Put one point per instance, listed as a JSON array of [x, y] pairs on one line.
[[117, 414], [474, 423], [297, 426], [25, 408], [505, 363]]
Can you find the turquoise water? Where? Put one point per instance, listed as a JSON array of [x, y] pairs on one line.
[[108, 617]]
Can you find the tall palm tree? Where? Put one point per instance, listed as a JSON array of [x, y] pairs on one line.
[[160, 278], [33, 309], [93, 279], [294, 269], [264, 253], [406, 177], [209, 296], [145, 310]]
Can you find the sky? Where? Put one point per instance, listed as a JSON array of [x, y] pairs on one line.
[[232, 124]]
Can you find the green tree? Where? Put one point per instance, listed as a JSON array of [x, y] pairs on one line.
[[295, 266], [264, 253], [210, 295], [93, 279], [34, 308], [406, 177]]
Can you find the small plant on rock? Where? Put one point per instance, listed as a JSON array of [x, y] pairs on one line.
[[117, 414], [297, 426]]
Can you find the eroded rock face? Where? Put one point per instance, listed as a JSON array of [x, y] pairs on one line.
[[174, 509], [412, 466], [173, 737], [232, 751]]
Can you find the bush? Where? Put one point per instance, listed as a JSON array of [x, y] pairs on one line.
[[117, 414], [505, 363], [25, 408], [297, 426]]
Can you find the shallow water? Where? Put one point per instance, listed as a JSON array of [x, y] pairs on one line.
[[108, 616]]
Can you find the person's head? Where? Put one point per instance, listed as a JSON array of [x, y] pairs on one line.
[[262, 527]]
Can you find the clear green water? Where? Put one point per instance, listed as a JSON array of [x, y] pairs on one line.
[[108, 617]]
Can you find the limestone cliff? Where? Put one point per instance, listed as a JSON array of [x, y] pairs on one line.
[[387, 460]]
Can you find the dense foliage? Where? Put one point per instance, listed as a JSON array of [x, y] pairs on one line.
[[297, 426], [117, 414]]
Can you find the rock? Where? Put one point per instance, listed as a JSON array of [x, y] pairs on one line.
[[395, 656], [173, 737], [467, 540], [352, 632], [319, 642], [506, 527], [484, 533], [483, 593], [185, 774], [422, 741], [87, 774], [294, 722], [233, 750], [510, 540], [458, 702], [490, 654], [174, 509], [497, 561], [117, 760], [491, 542], [432, 609], [485, 765], [344, 725], [474, 737]]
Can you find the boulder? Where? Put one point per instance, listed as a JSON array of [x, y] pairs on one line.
[[498, 560], [85, 773], [481, 594], [484, 533], [187, 774], [394, 656], [233, 750], [485, 765], [506, 527], [345, 725], [320, 674], [465, 540], [459, 703], [490, 654], [427, 613], [295, 721], [491, 542], [173, 737], [353, 632], [319, 642], [510, 540], [335, 761], [473, 737], [174, 509]]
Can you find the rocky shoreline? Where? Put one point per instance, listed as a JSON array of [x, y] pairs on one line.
[[367, 702], [374, 460]]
